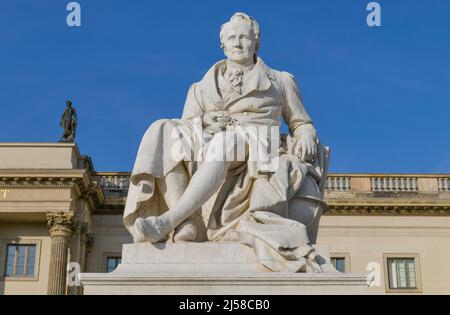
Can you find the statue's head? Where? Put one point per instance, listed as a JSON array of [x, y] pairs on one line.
[[68, 103], [239, 38]]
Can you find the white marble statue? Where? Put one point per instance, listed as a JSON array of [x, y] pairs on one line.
[[274, 210]]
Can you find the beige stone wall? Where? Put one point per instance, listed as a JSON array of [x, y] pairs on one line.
[[367, 238], [35, 179], [37, 156], [37, 200], [110, 235], [26, 232]]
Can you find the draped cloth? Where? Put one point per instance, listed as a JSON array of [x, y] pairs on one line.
[[251, 205]]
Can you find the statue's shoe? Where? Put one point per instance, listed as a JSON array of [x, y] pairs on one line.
[[151, 228], [185, 232]]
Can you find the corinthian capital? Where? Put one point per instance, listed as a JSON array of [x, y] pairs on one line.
[[61, 224]]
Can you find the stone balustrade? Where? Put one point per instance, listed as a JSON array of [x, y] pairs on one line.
[[118, 183], [444, 184], [345, 194], [339, 183], [394, 184], [114, 181], [114, 184]]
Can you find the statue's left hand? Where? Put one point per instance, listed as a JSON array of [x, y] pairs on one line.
[[306, 147]]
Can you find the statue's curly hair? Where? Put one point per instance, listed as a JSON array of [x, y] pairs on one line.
[[239, 16]]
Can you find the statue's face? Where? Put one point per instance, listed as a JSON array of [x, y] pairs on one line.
[[239, 43]]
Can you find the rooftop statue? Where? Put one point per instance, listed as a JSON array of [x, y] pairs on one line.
[[69, 122], [271, 203]]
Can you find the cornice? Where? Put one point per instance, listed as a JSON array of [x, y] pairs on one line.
[[340, 210], [42, 144], [79, 180], [418, 175], [388, 210]]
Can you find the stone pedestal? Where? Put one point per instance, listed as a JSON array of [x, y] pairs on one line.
[[213, 268]]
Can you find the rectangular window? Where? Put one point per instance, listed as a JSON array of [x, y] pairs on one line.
[[20, 260], [339, 263], [112, 263], [402, 273]]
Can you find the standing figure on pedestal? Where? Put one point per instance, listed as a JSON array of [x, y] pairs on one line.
[[216, 198], [69, 122]]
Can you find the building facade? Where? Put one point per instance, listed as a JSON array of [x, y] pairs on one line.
[[59, 217]]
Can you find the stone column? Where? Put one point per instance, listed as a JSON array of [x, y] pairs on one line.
[[61, 226]]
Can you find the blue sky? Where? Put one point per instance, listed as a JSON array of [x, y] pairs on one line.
[[379, 97]]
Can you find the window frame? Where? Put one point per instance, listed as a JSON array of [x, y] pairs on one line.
[[417, 273], [105, 257], [3, 259], [346, 257], [115, 258]]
